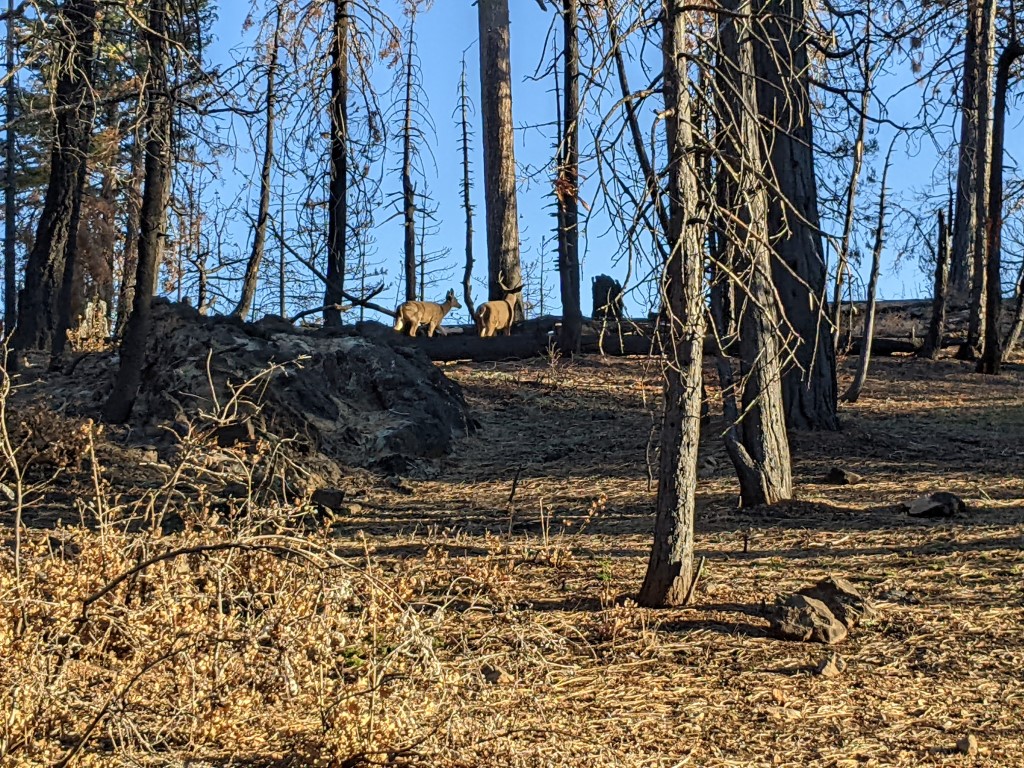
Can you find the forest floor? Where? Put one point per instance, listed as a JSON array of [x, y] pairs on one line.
[[513, 567]]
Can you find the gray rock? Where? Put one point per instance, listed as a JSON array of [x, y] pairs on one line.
[[329, 498], [833, 666], [842, 599], [841, 476], [803, 618]]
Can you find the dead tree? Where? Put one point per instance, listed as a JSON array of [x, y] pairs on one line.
[[499, 149], [781, 40], [10, 183], [933, 341], [259, 236], [670, 571], [158, 121], [567, 184], [408, 188], [464, 107], [53, 252], [992, 351], [864, 359], [756, 436], [337, 198]]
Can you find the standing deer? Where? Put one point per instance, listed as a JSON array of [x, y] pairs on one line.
[[412, 314], [494, 316]]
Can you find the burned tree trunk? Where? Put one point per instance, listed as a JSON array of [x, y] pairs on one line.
[[864, 359], [499, 151], [606, 294], [158, 122], [798, 269], [756, 438], [933, 341], [10, 185], [467, 204], [259, 235], [669, 574], [56, 236], [992, 351], [408, 190], [337, 199], [567, 186], [133, 214]]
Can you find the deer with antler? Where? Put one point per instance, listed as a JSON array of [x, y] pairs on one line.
[[494, 316], [412, 314]]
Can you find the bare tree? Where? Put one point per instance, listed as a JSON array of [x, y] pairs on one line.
[[670, 572], [10, 184], [499, 150], [464, 107], [940, 293], [337, 202], [567, 184]]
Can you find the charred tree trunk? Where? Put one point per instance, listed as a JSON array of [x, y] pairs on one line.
[[992, 351], [972, 178], [467, 204], [130, 262], [798, 270], [337, 199], [259, 235], [408, 190], [56, 236], [756, 437], [669, 574], [10, 185], [568, 186], [158, 120], [499, 151], [864, 359], [985, 55], [933, 341]]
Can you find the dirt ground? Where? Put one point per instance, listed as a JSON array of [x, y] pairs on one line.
[[522, 552]]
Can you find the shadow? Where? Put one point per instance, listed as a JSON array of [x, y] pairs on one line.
[[721, 626]]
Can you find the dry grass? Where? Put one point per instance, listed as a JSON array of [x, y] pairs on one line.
[[482, 617]]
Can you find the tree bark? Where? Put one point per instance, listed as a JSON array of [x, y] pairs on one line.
[[53, 251], [499, 151], [864, 359], [756, 438], [670, 567], [259, 235], [133, 215], [337, 199], [408, 190], [10, 185], [982, 148], [567, 186], [158, 121], [467, 204], [971, 179], [933, 341], [992, 352], [798, 269]]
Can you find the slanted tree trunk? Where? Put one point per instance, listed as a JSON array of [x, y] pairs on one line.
[[756, 438], [809, 385], [670, 567], [158, 120], [467, 204], [56, 236], [499, 151], [992, 351], [567, 186], [933, 341], [985, 54], [408, 190], [971, 178], [259, 235], [337, 198], [864, 359], [10, 185]]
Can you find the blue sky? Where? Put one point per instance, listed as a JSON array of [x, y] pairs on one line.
[[448, 30]]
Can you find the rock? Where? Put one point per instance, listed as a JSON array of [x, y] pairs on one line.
[[833, 666], [842, 599], [939, 504], [496, 675], [897, 595], [841, 476], [230, 435], [803, 618], [329, 498], [968, 745]]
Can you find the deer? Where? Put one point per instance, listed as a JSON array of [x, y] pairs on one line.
[[412, 314], [494, 316]]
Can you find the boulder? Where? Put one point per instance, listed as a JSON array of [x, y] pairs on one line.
[[803, 618], [842, 599], [939, 504], [842, 476]]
